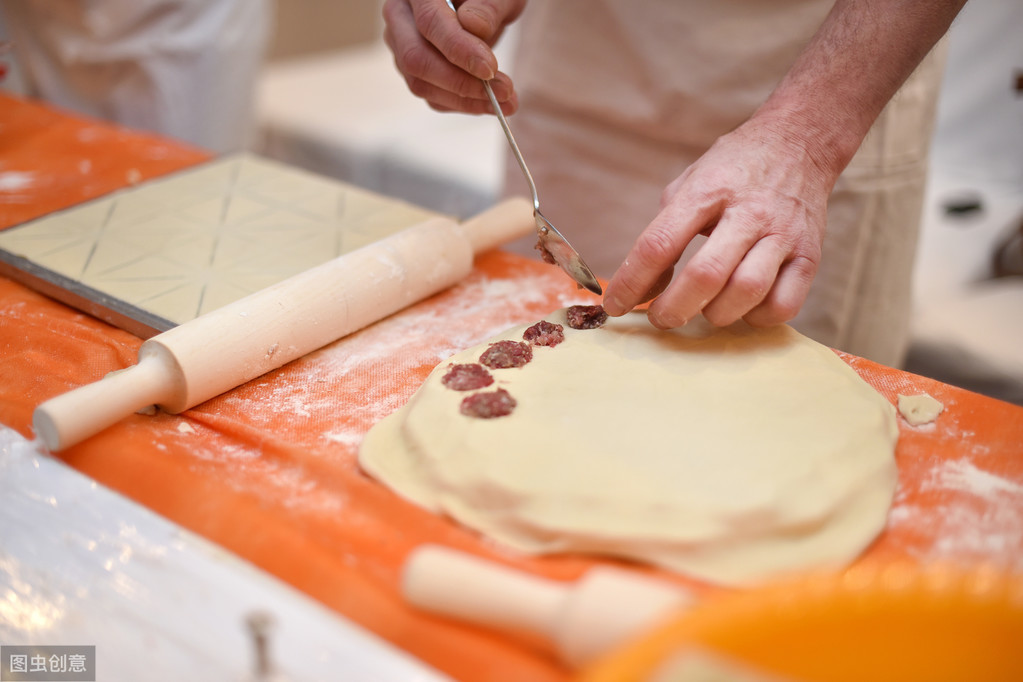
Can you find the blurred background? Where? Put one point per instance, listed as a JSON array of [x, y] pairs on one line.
[[310, 83]]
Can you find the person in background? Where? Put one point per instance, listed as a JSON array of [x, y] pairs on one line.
[[182, 68], [752, 148]]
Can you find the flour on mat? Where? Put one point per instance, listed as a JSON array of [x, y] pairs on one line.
[[964, 475], [344, 438], [292, 487], [313, 389], [14, 186], [475, 309], [978, 518], [12, 181]]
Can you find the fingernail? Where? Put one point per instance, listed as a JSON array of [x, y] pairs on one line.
[[613, 306], [481, 68], [656, 321]]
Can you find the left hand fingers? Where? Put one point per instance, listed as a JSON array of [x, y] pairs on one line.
[[708, 274], [787, 295], [744, 270], [654, 254], [749, 284]]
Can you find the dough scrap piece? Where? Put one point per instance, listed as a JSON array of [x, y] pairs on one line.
[[729, 455], [919, 409]]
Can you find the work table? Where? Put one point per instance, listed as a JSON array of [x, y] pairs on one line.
[[268, 471]]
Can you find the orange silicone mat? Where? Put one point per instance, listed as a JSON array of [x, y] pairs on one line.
[[269, 470]]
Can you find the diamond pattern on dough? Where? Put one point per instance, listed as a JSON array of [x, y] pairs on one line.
[[180, 246]]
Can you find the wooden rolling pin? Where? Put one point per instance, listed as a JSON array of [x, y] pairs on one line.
[[222, 349], [583, 620]]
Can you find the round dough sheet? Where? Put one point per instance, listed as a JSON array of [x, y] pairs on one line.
[[726, 454]]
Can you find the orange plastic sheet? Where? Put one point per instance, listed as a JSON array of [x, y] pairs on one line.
[[269, 472]]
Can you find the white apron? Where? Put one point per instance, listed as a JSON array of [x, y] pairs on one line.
[[618, 98]]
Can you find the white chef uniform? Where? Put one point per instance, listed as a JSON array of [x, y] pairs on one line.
[[183, 68]]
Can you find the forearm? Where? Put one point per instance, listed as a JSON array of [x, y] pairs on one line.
[[850, 69]]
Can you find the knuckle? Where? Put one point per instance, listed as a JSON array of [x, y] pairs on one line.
[[752, 287], [753, 224], [669, 192], [630, 283], [658, 287], [419, 88], [391, 11], [804, 269], [412, 61], [656, 248], [480, 19], [428, 19], [758, 216], [485, 18], [708, 272]]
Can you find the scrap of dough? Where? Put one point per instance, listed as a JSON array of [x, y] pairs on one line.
[[919, 409], [730, 455]]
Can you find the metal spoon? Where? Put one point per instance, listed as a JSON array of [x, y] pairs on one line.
[[553, 246]]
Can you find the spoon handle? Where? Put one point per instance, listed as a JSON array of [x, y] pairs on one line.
[[514, 145]]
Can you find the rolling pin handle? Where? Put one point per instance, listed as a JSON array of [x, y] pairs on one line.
[[583, 620], [72, 417], [466, 587]]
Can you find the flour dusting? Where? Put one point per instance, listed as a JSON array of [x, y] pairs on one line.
[[325, 402], [965, 476], [976, 516], [14, 181], [344, 438], [475, 309]]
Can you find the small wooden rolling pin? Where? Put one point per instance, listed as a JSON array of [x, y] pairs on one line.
[[222, 349], [583, 620]]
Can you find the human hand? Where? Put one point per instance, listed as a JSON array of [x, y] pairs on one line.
[[761, 198], [443, 55]]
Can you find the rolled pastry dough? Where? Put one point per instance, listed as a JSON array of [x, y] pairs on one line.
[[726, 454]]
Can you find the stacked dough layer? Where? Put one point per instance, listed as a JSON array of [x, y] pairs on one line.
[[729, 455]]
